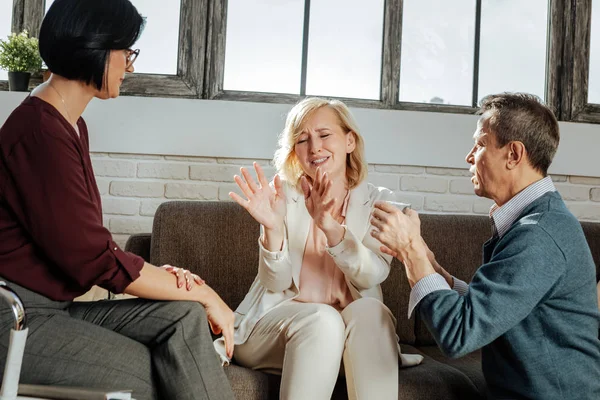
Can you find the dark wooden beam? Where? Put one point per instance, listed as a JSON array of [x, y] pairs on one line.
[[392, 40]]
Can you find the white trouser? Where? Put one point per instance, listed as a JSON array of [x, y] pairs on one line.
[[305, 342]]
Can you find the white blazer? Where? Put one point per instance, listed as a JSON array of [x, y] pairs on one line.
[[357, 255]]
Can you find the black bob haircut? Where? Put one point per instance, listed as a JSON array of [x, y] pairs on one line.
[[76, 36]]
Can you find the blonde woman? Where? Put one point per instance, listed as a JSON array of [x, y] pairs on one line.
[[316, 303]]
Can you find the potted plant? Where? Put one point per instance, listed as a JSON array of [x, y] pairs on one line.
[[19, 55]]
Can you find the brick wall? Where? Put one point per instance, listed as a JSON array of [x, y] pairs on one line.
[[133, 186]]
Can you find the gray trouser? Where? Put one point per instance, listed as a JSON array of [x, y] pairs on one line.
[[161, 350]]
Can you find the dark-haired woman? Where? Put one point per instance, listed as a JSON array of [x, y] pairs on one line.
[[53, 246]]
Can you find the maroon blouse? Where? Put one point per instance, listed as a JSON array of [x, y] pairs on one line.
[[52, 240]]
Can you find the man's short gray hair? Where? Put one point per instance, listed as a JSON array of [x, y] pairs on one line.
[[524, 118]]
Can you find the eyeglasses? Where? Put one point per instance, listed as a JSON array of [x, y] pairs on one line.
[[131, 57]]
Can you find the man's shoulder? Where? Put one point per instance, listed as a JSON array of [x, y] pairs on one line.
[[552, 215], [550, 225], [548, 211]]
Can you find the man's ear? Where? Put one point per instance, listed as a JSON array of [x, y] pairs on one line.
[[350, 142], [516, 154]]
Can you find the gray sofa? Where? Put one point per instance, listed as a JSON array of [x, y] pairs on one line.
[[218, 241]]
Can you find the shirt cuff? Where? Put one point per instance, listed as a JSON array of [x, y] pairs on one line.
[[344, 244], [273, 255], [461, 287], [129, 269], [431, 283]]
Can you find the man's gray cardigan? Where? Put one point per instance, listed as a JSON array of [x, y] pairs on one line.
[[531, 306]]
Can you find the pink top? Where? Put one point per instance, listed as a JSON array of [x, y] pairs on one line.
[[321, 281]]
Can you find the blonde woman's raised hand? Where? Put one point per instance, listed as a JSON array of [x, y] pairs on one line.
[[266, 204], [318, 200]]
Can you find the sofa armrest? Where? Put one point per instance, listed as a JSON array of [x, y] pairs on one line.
[[139, 244]]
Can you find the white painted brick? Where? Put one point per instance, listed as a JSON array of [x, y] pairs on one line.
[[571, 192], [223, 173], [482, 206], [224, 190], [103, 185], [206, 160], [113, 168], [595, 194], [148, 207], [162, 170], [399, 169], [558, 178], [243, 161], [584, 180], [106, 221], [416, 201], [130, 226], [195, 191], [454, 204], [389, 181], [137, 189], [214, 173], [371, 167], [135, 156], [118, 206], [461, 186], [589, 212], [423, 184], [448, 171], [121, 240], [98, 155]]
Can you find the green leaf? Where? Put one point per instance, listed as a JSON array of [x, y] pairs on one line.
[[20, 53]]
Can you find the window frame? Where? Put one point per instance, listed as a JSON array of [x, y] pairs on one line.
[[201, 59], [191, 51], [578, 50]]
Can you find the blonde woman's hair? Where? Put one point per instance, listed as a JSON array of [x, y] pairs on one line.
[[285, 160]]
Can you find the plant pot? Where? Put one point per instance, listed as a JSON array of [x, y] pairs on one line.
[[18, 81]]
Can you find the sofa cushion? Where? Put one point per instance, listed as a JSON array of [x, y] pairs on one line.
[[470, 365], [434, 379], [395, 295], [216, 240], [247, 384], [139, 244], [591, 231]]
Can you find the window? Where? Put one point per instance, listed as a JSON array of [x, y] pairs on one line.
[[431, 55], [160, 37], [344, 48], [5, 28], [159, 40], [446, 53], [457, 52], [436, 64], [264, 46], [298, 46], [513, 47]]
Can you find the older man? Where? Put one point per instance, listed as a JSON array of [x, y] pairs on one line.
[[531, 306]]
